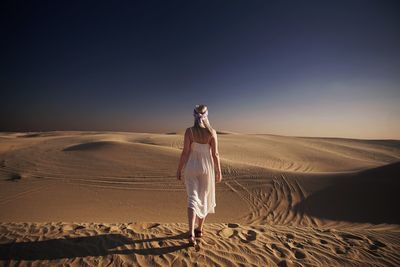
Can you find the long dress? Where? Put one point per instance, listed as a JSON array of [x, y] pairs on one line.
[[199, 179]]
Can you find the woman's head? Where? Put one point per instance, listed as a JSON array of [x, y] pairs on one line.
[[200, 114]]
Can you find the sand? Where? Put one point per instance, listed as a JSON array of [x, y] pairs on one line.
[[111, 198]]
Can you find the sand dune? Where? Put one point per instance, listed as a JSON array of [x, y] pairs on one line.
[[365, 196], [85, 197]]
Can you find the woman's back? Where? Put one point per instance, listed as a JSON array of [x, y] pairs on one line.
[[200, 135]]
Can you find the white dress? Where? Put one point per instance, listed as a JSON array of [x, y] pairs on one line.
[[199, 177]]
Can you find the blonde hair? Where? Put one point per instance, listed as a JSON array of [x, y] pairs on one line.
[[201, 117]]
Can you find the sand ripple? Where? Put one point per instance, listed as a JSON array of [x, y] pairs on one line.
[[166, 245]]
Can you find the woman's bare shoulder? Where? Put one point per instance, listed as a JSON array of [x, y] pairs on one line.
[[188, 132]]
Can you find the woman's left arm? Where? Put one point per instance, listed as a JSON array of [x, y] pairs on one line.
[[185, 154]]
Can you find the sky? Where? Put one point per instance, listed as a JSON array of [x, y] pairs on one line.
[[298, 68]]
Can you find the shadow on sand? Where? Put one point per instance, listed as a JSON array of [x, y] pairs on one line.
[[369, 196], [99, 245]]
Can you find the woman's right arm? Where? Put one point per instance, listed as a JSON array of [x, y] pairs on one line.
[[215, 156], [184, 155]]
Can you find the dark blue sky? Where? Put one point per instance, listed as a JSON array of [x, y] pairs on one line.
[[315, 68]]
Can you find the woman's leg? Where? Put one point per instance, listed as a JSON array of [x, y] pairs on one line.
[[192, 219], [200, 223]]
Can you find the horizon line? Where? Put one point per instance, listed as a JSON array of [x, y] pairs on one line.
[[218, 132]]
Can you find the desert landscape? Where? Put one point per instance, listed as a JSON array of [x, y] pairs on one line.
[[112, 198]]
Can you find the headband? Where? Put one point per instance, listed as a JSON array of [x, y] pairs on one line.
[[198, 115]]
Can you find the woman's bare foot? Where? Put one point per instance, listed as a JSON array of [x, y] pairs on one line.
[[198, 232], [192, 241]]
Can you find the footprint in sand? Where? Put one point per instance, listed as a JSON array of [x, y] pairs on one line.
[[296, 249], [70, 227], [227, 233], [346, 236], [248, 236], [233, 225], [299, 254], [80, 227], [104, 228], [298, 245], [339, 250], [279, 251], [290, 236], [352, 240], [150, 225], [114, 228], [375, 245], [108, 228]]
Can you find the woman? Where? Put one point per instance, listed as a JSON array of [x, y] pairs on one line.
[[200, 160]]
